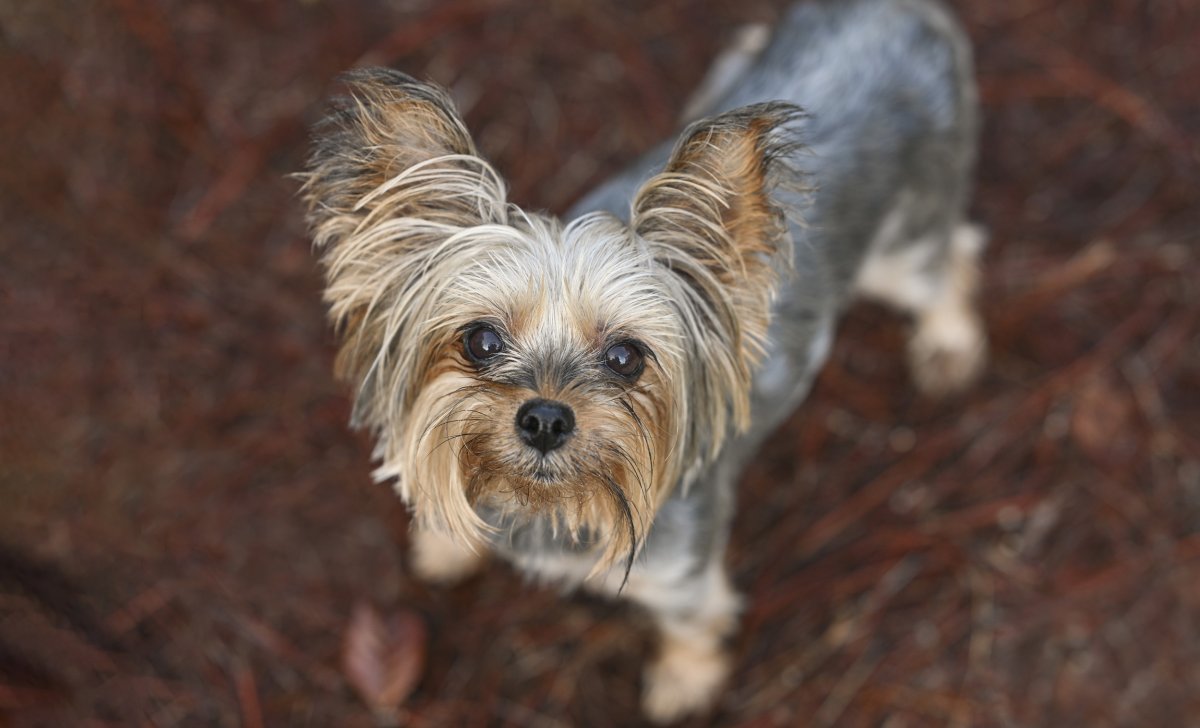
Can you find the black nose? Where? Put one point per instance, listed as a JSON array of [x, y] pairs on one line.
[[545, 424]]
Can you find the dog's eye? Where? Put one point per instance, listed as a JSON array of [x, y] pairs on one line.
[[625, 359], [482, 343]]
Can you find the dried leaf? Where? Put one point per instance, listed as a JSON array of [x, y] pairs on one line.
[[383, 658], [1100, 423]]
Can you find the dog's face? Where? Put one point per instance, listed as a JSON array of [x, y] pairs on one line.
[[507, 362]]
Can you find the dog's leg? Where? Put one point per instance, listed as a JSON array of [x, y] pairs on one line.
[[948, 347], [438, 559], [937, 282], [695, 614]]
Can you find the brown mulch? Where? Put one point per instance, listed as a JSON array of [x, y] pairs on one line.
[[189, 534]]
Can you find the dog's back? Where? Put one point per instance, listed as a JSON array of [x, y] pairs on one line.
[[888, 88], [889, 150]]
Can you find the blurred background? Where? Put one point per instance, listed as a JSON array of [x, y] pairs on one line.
[[189, 534]]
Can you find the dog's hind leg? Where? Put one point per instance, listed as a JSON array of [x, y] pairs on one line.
[[935, 278]]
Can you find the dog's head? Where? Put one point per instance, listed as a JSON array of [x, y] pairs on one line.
[[506, 361]]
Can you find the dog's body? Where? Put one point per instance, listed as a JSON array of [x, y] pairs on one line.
[[644, 411]]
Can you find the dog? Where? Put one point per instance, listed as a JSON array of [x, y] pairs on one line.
[[580, 398]]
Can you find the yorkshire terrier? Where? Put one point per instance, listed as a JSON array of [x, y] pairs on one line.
[[581, 397]]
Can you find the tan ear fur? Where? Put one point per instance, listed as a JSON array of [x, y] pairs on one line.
[[711, 218], [388, 123], [393, 175]]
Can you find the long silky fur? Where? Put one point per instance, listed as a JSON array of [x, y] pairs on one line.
[[711, 218], [417, 241]]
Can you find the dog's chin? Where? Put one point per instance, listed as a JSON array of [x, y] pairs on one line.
[[540, 484], [595, 493], [544, 476], [540, 470]]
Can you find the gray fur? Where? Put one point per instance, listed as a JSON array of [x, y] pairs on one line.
[[888, 135], [891, 128]]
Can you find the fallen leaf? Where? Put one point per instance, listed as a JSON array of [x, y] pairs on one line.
[[1101, 421], [383, 658]]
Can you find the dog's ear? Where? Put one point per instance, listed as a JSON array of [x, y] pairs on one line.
[[393, 174], [712, 220], [369, 144]]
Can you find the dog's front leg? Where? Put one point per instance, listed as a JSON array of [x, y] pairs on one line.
[[439, 559], [696, 614]]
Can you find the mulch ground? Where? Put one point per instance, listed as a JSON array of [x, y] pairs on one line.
[[189, 532]]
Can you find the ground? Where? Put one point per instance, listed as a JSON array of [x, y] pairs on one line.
[[190, 533]]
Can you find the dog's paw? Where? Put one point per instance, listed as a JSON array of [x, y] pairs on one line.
[[683, 680], [438, 559], [947, 351]]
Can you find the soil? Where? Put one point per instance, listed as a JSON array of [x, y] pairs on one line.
[[190, 532]]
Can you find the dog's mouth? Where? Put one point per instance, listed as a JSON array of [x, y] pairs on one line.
[[540, 480], [524, 473], [537, 469], [545, 472], [507, 471], [544, 475]]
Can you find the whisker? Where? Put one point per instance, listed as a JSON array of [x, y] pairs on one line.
[[622, 503], [641, 430]]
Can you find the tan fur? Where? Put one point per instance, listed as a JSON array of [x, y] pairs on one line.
[[710, 218], [687, 676], [948, 347], [418, 243], [439, 559], [692, 663]]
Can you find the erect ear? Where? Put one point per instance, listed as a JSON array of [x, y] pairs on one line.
[[398, 145], [711, 219], [392, 176]]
